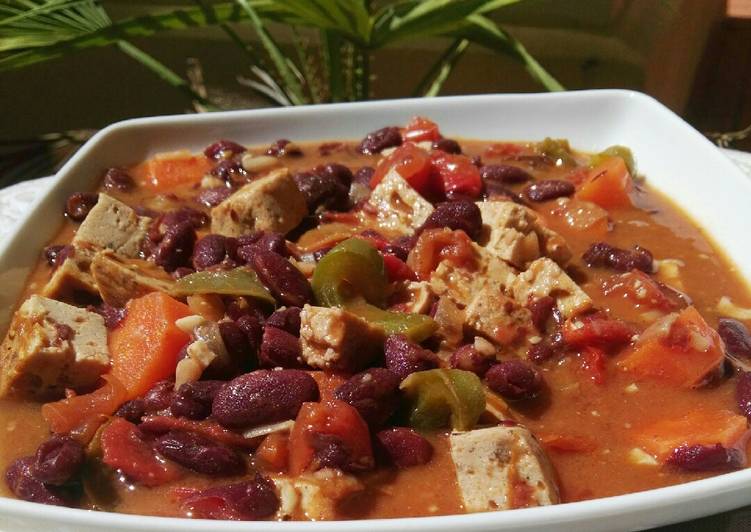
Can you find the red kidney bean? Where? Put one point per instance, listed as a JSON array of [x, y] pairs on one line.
[[404, 447], [176, 247], [58, 254], [469, 359], [209, 251], [239, 347], [279, 349], [404, 357], [248, 244], [222, 148], [285, 282], [113, 316], [504, 174], [604, 255], [211, 197], [514, 380], [736, 337], [194, 217], [252, 326], [324, 190], [541, 352], [706, 457], [287, 319], [244, 501], [20, 479], [338, 171], [364, 175], [495, 191], [263, 396], [373, 392], [447, 145], [377, 141], [58, 460], [199, 454], [230, 171], [159, 397], [193, 399], [281, 148], [330, 451], [542, 310], [743, 393], [549, 189], [132, 411], [79, 204], [401, 246], [118, 179], [464, 215]]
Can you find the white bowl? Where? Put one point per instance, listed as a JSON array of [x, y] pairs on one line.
[[675, 158]]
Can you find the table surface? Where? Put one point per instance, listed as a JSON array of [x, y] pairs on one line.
[[16, 200]]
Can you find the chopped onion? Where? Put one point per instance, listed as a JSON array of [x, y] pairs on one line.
[[263, 430], [727, 308]]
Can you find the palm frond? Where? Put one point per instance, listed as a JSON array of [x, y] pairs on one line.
[[331, 45], [433, 81]]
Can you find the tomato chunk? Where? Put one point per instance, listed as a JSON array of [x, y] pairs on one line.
[[435, 245], [332, 420], [597, 330], [75, 412], [608, 185], [643, 291], [397, 269], [123, 449], [410, 162], [458, 178], [679, 349], [144, 347], [419, 129], [699, 426]]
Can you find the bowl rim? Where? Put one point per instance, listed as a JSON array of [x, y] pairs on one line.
[[589, 511]]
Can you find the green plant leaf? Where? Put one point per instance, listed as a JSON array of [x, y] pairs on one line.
[[331, 44], [433, 81], [483, 31], [292, 85]]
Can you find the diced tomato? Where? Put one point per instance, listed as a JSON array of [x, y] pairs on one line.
[[123, 449], [679, 349], [608, 185], [457, 176], [328, 382], [643, 291], [206, 427], [74, 412], [166, 171], [435, 245], [505, 149], [593, 363], [273, 453], [397, 269], [331, 418], [419, 129], [597, 330], [145, 346], [698, 426], [567, 443], [410, 162], [375, 239]]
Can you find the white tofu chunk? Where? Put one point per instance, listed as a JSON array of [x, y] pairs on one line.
[[545, 278], [73, 275], [514, 233], [494, 316], [120, 279], [270, 203], [111, 224], [314, 496], [501, 468], [399, 207], [334, 339], [51, 346]]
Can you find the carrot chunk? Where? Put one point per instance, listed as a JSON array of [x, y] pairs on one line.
[[164, 172], [679, 349], [78, 411], [608, 185], [700, 426], [144, 348]]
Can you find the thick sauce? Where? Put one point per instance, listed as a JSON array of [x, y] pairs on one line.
[[604, 415]]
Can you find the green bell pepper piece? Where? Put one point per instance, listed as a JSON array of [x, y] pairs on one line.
[[237, 282], [615, 151], [352, 268], [556, 149], [416, 327], [439, 398]]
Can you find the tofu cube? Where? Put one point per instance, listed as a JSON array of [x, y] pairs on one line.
[[334, 339], [270, 203], [500, 319], [399, 207], [120, 279], [545, 278], [111, 224], [514, 233], [73, 275], [51, 346], [502, 468]]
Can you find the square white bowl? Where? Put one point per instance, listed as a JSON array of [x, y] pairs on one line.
[[675, 158]]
